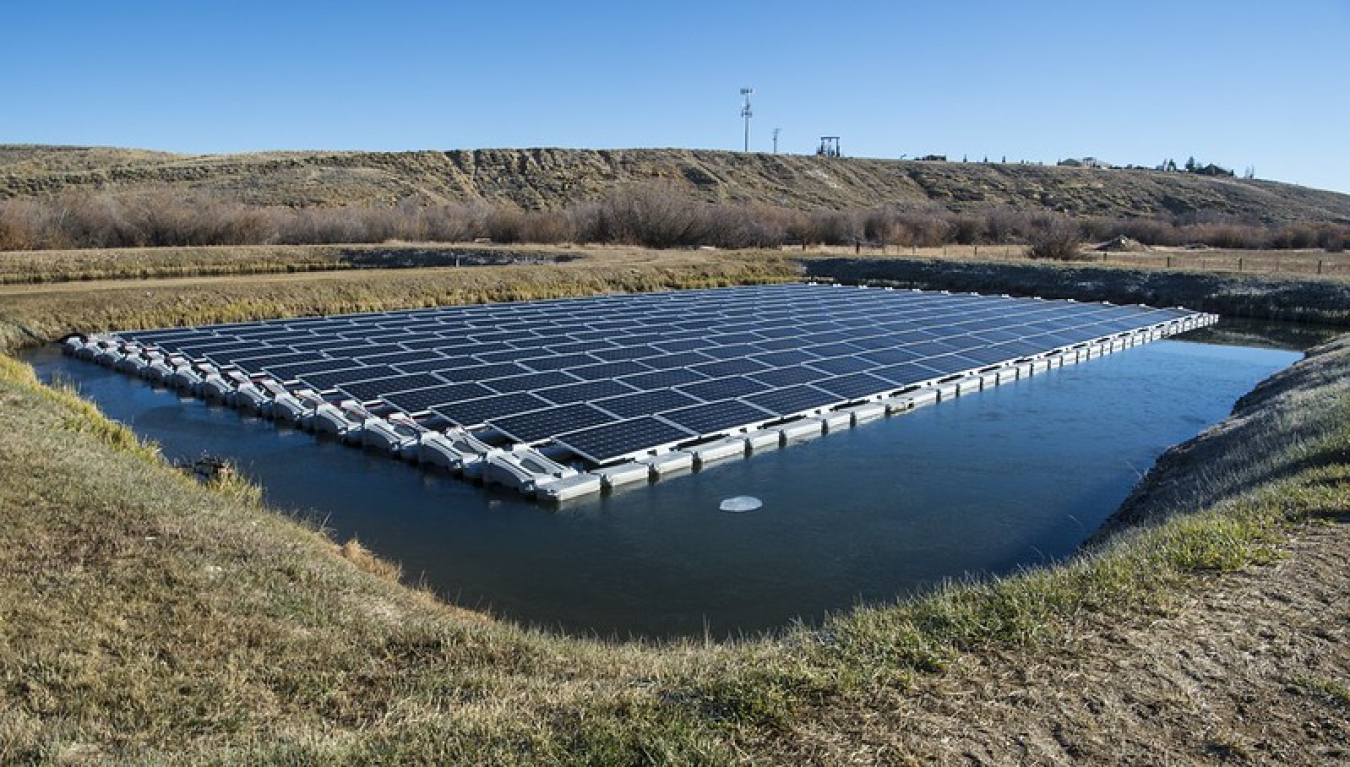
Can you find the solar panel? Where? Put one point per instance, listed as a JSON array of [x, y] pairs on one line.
[[368, 390], [533, 427], [531, 381], [715, 417], [789, 376], [642, 403], [609, 370], [729, 367], [266, 358], [334, 378], [842, 365], [422, 400], [676, 360], [482, 372], [855, 386], [433, 364], [476, 411], [584, 391], [663, 379], [792, 399], [601, 444], [907, 373], [319, 365], [723, 388]]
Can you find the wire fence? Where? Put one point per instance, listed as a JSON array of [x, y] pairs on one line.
[[1299, 262]]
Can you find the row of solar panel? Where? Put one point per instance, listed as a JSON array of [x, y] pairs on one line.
[[246, 353], [613, 375], [572, 315]]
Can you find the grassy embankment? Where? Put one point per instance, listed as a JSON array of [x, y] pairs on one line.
[[147, 617]]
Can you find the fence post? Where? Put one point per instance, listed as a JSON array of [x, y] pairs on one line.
[[1239, 263], [1169, 262], [1319, 266]]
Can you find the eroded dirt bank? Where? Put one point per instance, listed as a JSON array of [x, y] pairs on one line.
[[1324, 301]]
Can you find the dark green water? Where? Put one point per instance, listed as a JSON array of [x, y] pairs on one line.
[[1014, 476]]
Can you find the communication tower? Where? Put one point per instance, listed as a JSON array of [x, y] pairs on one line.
[[746, 113]]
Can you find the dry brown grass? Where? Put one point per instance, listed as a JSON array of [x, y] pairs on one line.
[[146, 617]]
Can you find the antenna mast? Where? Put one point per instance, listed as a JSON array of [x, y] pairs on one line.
[[746, 113]]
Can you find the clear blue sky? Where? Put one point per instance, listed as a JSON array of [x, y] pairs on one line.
[[1240, 83]]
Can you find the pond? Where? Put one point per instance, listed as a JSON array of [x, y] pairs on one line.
[[1014, 476]]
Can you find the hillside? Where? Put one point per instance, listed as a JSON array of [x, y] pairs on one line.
[[554, 178]]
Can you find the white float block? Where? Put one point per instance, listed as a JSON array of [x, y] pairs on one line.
[[718, 450]]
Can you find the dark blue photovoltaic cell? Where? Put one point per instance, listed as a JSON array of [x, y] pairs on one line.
[[584, 391], [907, 373], [319, 365], [855, 386], [619, 353], [732, 352], [793, 399], [784, 358], [676, 360], [729, 367], [433, 364], [790, 375], [422, 400], [389, 358], [609, 370], [508, 355], [334, 378], [946, 364], [482, 372], [716, 416], [365, 391], [264, 360], [842, 365], [644, 403], [222, 347], [531, 381], [890, 356], [663, 379], [532, 427], [723, 388], [610, 441], [476, 411], [559, 361]]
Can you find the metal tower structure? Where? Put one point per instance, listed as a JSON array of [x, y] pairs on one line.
[[746, 113]]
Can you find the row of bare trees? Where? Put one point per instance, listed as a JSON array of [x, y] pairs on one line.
[[651, 215]]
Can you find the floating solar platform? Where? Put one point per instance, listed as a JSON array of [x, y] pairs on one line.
[[572, 388]]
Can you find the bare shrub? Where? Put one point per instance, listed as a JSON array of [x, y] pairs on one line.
[[1332, 238], [1057, 239], [743, 226], [654, 215], [834, 227], [1149, 231], [547, 227], [967, 229], [506, 225], [1294, 237]]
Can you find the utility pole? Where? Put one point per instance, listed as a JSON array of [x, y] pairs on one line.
[[775, 140], [746, 113]]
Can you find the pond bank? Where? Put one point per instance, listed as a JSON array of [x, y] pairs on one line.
[[1312, 300]]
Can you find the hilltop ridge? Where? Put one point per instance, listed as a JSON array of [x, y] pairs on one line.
[[543, 179]]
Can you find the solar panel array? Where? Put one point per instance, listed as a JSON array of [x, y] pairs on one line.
[[613, 376]]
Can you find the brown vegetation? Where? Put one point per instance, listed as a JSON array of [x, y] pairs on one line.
[[652, 215]]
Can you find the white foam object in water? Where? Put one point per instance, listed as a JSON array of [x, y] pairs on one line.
[[741, 503]]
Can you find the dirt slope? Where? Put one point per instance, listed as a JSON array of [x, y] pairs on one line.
[[554, 178]]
